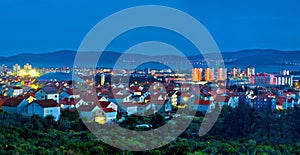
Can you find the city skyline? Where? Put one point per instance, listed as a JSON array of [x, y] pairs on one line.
[[150, 77]]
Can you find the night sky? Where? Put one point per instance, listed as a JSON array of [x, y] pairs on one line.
[[39, 26]]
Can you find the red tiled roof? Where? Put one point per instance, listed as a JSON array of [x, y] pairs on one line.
[[16, 87], [156, 96], [171, 94], [20, 97], [92, 106], [28, 94], [148, 97], [134, 88], [47, 103], [222, 99], [158, 101], [119, 96], [66, 101], [90, 98], [202, 102], [116, 90], [12, 102], [69, 91], [280, 100], [142, 104], [2, 101], [185, 94], [104, 104], [89, 107], [108, 110], [128, 104], [105, 92]]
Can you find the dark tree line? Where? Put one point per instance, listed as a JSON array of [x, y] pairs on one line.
[[241, 130]]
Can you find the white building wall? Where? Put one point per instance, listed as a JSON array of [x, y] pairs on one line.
[[54, 97], [131, 110], [54, 111], [110, 116]]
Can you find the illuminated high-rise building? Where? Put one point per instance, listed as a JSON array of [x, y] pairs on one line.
[[102, 79], [250, 71], [197, 74], [235, 71], [27, 67], [209, 74], [284, 78], [285, 72], [222, 74], [16, 69]]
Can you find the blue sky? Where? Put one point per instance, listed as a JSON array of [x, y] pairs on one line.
[[39, 26]]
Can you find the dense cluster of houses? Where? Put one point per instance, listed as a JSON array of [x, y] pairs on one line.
[[266, 98], [104, 104]]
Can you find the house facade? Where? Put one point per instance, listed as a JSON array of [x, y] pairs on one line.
[[44, 108], [15, 105], [46, 93], [95, 113]]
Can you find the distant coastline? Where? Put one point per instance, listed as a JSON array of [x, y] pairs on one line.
[[267, 60]]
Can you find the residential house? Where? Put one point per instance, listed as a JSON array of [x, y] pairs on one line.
[[233, 101], [68, 103], [161, 106], [264, 103], [68, 94], [81, 102], [17, 91], [288, 103], [222, 100], [203, 105], [2, 100], [187, 98], [47, 92], [95, 113], [173, 98], [15, 105], [128, 107], [106, 105], [44, 108], [143, 108], [102, 99], [13, 91]]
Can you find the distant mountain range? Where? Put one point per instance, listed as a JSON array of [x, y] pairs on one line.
[[264, 59]]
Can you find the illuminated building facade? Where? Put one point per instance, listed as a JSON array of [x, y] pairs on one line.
[[235, 71], [262, 79], [16, 69], [197, 74], [222, 74], [27, 67], [249, 71], [284, 78], [209, 74]]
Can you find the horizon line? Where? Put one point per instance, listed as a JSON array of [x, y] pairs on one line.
[[68, 50]]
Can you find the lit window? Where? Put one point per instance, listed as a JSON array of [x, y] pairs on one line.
[[47, 112]]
